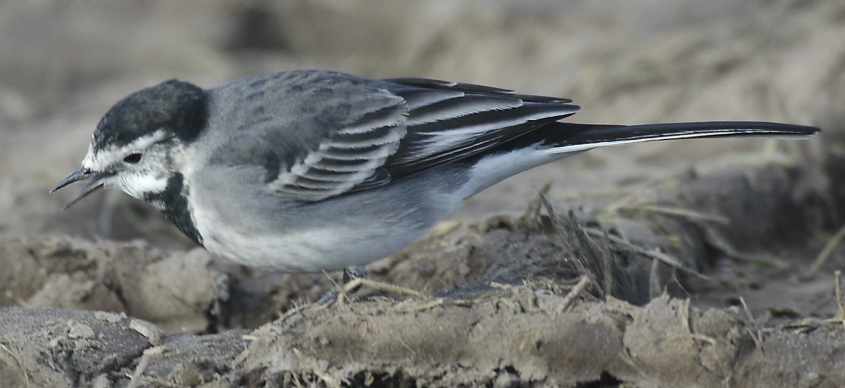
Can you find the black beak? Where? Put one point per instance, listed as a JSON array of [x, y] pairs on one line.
[[79, 175], [76, 176]]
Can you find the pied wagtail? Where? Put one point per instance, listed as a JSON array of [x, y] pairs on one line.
[[305, 171]]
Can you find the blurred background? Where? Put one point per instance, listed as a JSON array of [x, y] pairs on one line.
[[64, 63]]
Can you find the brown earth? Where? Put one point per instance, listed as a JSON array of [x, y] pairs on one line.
[[664, 265]]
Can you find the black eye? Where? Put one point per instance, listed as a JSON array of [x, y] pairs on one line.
[[132, 158]]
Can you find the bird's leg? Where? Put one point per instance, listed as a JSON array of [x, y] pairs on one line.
[[354, 272], [339, 293], [349, 274]]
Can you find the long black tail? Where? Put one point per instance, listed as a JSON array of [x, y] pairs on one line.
[[569, 137]]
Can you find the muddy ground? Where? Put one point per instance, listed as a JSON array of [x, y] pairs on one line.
[[709, 263]]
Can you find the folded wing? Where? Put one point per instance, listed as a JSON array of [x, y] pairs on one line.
[[426, 123]]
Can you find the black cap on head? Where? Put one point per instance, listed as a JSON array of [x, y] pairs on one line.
[[175, 106]]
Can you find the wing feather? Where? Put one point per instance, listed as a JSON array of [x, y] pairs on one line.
[[441, 130], [348, 157], [460, 107], [376, 137], [417, 98], [393, 128]]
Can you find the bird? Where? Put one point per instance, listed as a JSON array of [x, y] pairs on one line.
[[318, 170]]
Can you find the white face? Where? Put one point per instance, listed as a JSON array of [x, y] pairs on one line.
[[136, 176]]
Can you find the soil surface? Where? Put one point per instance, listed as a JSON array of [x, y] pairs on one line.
[[706, 263]]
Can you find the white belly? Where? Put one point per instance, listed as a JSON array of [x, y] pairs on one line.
[[306, 251], [332, 245], [337, 233]]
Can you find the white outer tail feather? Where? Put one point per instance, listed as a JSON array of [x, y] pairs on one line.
[[589, 146]]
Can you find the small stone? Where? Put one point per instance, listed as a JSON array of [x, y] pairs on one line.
[[79, 330], [148, 330]]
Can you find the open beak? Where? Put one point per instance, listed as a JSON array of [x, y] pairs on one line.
[[95, 183]]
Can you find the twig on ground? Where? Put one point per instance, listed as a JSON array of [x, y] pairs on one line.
[[17, 361], [837, 275], [534, 206], [631, 198], [685, 316], [655, 254], [677, 212], [379, 286], [435, 303], [135, 378], [502, 286], [548, 207], [574, 292], [718, 242], [655, 285], [331, 280], [693, 336], [687, 323], [753, 330], [341, 296], [827, 251]]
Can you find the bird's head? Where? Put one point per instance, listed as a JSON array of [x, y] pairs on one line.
[[137, 144]]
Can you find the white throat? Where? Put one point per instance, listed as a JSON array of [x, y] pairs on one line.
[[139, 184]]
